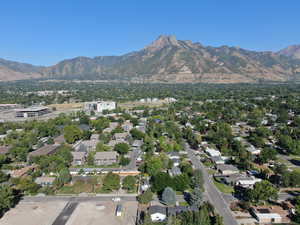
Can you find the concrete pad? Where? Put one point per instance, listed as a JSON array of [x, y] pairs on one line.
[[33, 213], [96, 213]]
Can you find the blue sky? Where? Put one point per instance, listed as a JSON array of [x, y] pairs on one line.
[[44, 32]]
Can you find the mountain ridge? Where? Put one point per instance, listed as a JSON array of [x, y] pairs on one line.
[[167, 59]]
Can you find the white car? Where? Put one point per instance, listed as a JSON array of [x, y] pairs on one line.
[[116, 199]]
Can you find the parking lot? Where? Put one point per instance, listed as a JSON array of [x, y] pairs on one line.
[[33, 213], [58, 213]]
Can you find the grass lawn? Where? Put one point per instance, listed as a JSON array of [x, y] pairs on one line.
[[223, 187], [183, 204], [77, 188], [211, 171]]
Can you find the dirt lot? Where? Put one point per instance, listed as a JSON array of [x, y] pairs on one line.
[[91, 213], [38, 213], [66, 106]]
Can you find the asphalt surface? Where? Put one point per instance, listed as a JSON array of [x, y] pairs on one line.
[[133, 155], [65, 213], [78, 199], [211, 192]]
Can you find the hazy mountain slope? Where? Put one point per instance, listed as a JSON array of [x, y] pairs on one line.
[[171, 60], [291, 51]]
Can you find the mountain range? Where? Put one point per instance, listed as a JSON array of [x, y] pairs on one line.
[[170, 60]]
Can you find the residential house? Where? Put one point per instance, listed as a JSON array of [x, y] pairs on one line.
[[157, 213], [174, 171], [227, 169], [45, 150], [241, 180], [95, 137], [121, 137], [88, 145], [137, 143], [176, 162], [45, 181], [174, 155], [212, 152], [247, 182], [254, 151], [141, 128], [218, 160], [127, 126], [105, 158], [21, 172], [265, 214], [4, 150], [78, 158], [59, 140]]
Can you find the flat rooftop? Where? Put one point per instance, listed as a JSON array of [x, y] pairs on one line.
[[32, 109]]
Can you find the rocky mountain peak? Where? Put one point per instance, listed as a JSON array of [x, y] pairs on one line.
[[163, 41], [291, 51]]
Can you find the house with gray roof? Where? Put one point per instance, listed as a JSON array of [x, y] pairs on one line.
[[175, 171], [105, 158], [78, 158], [227, 169], [45, 181]]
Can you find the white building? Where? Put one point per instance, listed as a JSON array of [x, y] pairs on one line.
[[212, 152], [99, 106], [157, 213]]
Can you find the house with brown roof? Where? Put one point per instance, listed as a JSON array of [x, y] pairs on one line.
[[21, 172], [59, 140], [45, 150], [4, 150]]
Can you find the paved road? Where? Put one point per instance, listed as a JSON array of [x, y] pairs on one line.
[[78, 198], [291, 161], [133, 155], [213, 195], [284, 196], [65, 213]]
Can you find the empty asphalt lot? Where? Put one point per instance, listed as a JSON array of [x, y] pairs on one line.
[[70, 213]]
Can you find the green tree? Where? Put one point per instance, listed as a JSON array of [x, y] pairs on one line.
[[196, 198], [90, 158], [72, 133], [137, 134], [267, 154], [64, 176], [154, 165], [129, 183], [111, 182], [122, 148], [124, 161], [181, 182], [160, 181], [101, 147], [168, 197], [263, 191], [145, 197], [7, 198]]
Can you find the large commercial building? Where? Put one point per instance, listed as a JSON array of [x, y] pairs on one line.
[[100, 106], [32, 112]]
